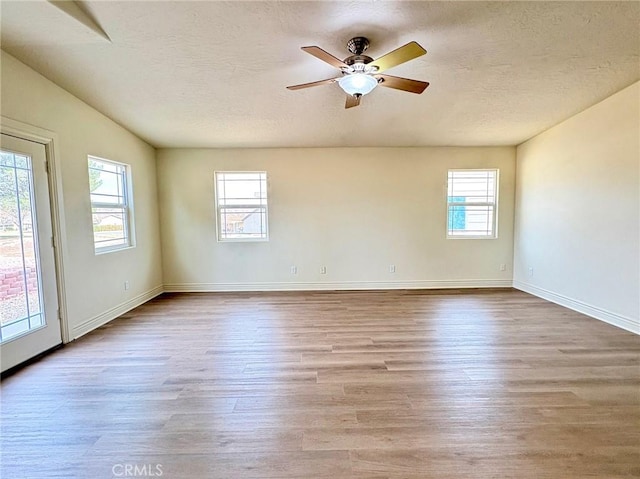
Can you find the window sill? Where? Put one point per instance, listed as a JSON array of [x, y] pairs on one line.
[[472, 237], [101, 251], [244, 240]]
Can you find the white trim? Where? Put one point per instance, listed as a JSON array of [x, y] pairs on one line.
[[219, 208], [126, 206], [103, 318], [494, 205], [110, 249], [609, 317], [342, 285], [50, 141]]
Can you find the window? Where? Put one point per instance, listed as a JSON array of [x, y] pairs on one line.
[[109, 185], [471, 203], [241, 204]]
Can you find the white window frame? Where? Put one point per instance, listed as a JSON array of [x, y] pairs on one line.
[[126, 206], [220, 207], [493, 205]]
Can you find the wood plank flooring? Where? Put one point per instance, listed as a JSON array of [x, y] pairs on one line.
[[354, 385]]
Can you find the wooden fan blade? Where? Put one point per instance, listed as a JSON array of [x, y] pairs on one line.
[[400, 55], [313, 83], [325, 57], [405, 84], [352, 101]]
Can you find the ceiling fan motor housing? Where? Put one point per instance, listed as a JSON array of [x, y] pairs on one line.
[[357, 61], [354, 59], [357, 45]]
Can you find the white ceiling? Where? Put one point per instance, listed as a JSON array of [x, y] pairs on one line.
[[213, 74]]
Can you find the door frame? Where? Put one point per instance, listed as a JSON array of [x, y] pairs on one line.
[[49, 140]]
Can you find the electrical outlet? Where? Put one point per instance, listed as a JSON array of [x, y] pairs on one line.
[[392, 268], [503, 267], [294, 270], [126, 285], [530, 271], [323, 270]]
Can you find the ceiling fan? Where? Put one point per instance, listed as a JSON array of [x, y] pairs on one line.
[[361, 73]]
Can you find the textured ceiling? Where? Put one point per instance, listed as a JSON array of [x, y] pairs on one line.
[[213, 74]]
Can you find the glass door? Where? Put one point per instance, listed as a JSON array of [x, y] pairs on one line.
[[29, 322]]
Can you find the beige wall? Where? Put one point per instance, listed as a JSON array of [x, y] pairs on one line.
[[578, 216], [354, 210], [94, 284]]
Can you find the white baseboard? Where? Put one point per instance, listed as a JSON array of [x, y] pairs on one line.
[[340, 286], [609, 317], [614, 319], [103, 318]]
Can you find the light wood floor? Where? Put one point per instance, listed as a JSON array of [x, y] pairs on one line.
[[367, 385]]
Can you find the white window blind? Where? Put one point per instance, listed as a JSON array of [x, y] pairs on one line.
[[110, 204], [472, 198], [241, 205]]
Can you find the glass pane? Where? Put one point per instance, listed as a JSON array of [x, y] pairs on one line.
[[241, 189], [102, 165], [472, 186], [22, 161], [7, 158], [106, 187], [20, 287], [109, 227], [243, 223], [241, 176], [470, 220]]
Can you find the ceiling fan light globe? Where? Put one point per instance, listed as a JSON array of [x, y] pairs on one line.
[[357, 83]]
